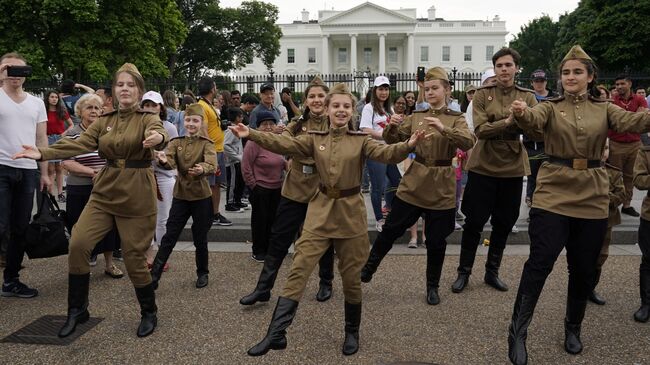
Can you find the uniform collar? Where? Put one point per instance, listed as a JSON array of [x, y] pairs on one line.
[[339, 131], [505, 89], [318, 118], [441, 110], [127, 111], [576, 98]]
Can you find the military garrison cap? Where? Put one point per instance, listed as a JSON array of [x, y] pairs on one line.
[[194, 109], [577, 53], [436, 73]]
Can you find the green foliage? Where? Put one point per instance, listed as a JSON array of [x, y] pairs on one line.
[[535, 42]]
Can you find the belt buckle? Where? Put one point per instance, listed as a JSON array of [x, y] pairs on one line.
[[333, 193], [579, 163], [120, 163]]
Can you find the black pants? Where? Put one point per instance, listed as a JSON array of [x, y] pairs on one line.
[[535, 163], [264, 204], [289, 218], [76, 199], [235, 183], [549, 234], [438, 225], [644, 245], [201, 213], [485, 196]]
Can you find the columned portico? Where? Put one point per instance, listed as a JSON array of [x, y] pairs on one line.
[[410, 50], [353, 53], [382, 53], [326, 55]]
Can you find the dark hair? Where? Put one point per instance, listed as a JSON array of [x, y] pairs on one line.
[[108, 90], [233, 113], [625, 77], [60, 107], [410, 109], [187, 100], [305, 113], [67, 86], [227, 101], [639, 88], [169, 98], [506, 51], [379, 107], [205, 86], [368, 96], [399, 96], [189, 93], [591, 70], [235, 92]]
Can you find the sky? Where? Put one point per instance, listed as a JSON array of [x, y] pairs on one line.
[[514, 12]]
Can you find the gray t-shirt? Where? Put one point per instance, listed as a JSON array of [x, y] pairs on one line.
[[91, 160]]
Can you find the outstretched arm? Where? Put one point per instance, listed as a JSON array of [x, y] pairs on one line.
[[278, 143]]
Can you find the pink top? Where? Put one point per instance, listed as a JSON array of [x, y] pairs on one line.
[[262, 167], [461, 156]]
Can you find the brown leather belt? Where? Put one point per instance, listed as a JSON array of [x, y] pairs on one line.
[[129, 164], [432, 163], [503, 138], [333, 193], [576, 163]]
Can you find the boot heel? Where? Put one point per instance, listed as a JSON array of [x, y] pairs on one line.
[[275, 338]]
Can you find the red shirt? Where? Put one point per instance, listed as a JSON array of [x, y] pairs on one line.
[[54, 124], [632, 105]]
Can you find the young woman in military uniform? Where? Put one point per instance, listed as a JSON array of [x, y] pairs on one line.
[[642, 182], [299, 187], [123, 195], [496, 168], [429, 185], [570, 205], [336, 215], [194, 156]]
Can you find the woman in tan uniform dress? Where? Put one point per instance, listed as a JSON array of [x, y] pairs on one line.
[[299, 187], [123, 195], [571, 201], [429, 185], [336, 214]]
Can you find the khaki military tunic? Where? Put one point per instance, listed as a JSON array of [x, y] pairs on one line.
[[616, 194], [499, 151], [125, 192], [301, 181], [429, 186], [182, 154], [339, 155], [642, 179], [575, 127]]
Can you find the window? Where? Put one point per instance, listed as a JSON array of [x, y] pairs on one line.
[[446, 53], [291, 55], [467, 55], [489, 51], [392, 55], [367, 56], [343, 55], [311, 55], [424, 54]]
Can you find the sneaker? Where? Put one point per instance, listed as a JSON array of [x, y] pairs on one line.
[[243, 206], [365, 190], [245, 201], [117, 255], [457, 227], [515, 229], [114, 272], [258, 258], [459, 216], [630, 211], [234, 208], [413, 244], [18, 289], [380, 225], [220, 220], [61, 198], [93, 260]]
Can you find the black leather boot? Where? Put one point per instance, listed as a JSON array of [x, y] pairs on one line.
[[77, 303], [377, 254], [434, 271], [148, 310], [522, 314], [575, 312], [594, 297], [352, 324], [262, 292], [275, 338], [158, 264], [324, 291], [492, 264], [466, 262], [326, 274], [643, 314]]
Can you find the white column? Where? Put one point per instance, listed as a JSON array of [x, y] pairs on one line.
[[353, 53], [410, 52], [326, 55], [382, 53]]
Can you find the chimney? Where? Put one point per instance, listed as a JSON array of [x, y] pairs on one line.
[[432, 13], [305, 16]]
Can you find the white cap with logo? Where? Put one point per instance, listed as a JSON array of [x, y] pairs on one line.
[[381, 80], [487, 74], [152, 96]]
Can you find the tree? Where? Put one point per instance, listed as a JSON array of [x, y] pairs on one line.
[[535, 42], [225, 39]]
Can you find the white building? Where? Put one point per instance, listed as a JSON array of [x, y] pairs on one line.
[[370, 37]]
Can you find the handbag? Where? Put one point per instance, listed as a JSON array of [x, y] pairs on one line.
[[47, 235]]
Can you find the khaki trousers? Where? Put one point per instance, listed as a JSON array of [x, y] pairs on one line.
[[352, 254], [135, 233], [623, 156]]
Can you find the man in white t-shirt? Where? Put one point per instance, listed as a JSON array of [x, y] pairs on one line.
[[23, 121]]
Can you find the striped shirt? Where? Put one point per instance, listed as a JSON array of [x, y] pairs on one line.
[[91, 159]]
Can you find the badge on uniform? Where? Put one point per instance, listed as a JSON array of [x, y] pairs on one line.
[[420, 123], [562, 113], [322, 147], [490, 97], [108, 129], [307, 170], [180, 148], [304, 129]]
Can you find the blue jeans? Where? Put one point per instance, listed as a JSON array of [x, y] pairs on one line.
[[17, 188], [380, 173]]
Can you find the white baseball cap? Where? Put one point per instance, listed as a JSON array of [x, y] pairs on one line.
[[487, 74], [381, 80], [152, 96]]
